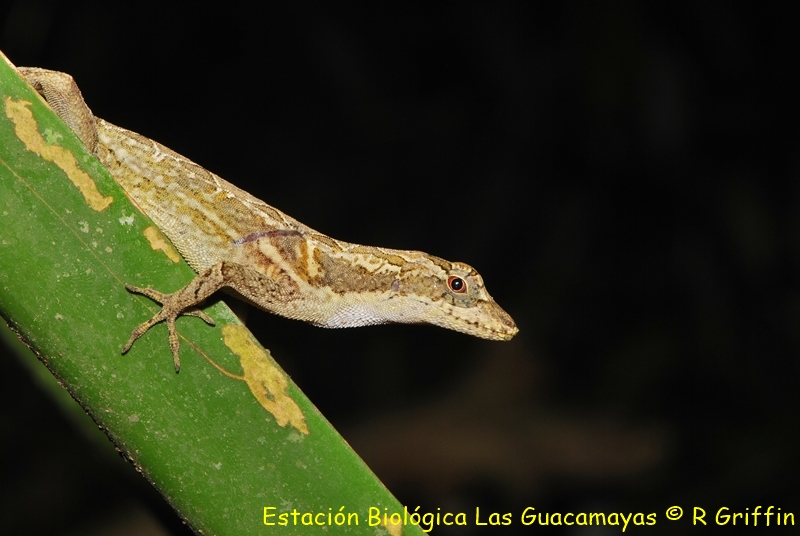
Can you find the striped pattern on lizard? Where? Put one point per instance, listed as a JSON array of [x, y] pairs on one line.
[[253, 250]]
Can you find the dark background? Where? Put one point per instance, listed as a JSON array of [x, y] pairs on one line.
[[624, 177]]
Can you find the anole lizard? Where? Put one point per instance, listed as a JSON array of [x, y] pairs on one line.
[[237, 242]]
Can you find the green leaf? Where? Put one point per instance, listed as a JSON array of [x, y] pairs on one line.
[[223, 439]]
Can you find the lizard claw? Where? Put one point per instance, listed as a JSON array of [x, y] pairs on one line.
[[200, 314]]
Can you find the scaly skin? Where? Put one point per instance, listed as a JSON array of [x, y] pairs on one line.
[[238, 242]]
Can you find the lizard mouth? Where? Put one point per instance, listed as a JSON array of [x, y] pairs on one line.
[[504, 330], [487, 320], [502, 326], [507, 334]]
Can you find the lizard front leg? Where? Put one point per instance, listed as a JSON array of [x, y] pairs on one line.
[[173, 305], [185, 301], [270, 292]]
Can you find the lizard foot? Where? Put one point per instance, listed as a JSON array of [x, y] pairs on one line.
[[170, 311]]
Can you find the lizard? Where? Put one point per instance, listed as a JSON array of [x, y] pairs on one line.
[[240, 244]]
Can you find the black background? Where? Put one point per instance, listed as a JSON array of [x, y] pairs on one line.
[[622, 174]]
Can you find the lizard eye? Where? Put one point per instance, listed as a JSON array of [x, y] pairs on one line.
[[456, 284]]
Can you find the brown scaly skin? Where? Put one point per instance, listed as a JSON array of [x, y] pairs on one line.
[[238, 242]]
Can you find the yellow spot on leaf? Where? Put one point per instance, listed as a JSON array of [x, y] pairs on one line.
[[393, 530], [27, 131], [158, 243], [266, 381]]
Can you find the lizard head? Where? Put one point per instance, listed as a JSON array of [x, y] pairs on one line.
[[364, 285], [456, 298]]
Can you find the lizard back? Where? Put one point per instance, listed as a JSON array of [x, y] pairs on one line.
[[201, 213]]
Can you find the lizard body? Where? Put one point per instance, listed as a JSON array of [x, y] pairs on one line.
[[238, 242]]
